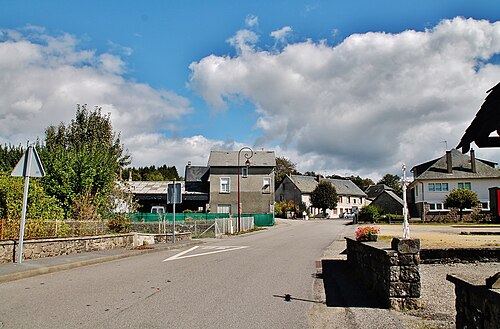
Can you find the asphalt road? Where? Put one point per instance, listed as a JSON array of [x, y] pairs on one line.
[[239, 282]]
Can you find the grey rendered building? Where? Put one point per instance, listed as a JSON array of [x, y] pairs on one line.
[[256, 182]]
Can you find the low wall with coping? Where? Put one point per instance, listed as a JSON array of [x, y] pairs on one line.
[[40, 248], [477, 305], [391, 273]]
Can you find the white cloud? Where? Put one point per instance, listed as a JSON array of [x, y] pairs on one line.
[[243, 41], [282, 34], [367, 104], [252, 21], [43, 77]]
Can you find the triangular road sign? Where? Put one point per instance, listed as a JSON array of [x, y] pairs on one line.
[[29, 165]]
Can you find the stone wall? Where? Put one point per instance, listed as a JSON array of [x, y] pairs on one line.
[[392, 274], [41, 248], [477, 305]]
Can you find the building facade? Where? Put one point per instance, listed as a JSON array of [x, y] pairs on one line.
[[433, 180], [251, 182], [298, 189]]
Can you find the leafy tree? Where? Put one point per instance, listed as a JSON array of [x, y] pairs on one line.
[[362, 183], [82, 159], [370, 213], [324, 196], [394, 182], [310, 173], [461, 199], [151, 173], [284, 167]]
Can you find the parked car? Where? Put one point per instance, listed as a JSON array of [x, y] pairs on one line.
[[348, 215]]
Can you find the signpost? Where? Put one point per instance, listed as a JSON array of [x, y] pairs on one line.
[[174, 197], [28, 166]]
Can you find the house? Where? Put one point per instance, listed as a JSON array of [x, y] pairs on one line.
[[373, 191], [389, 202], [384, 198], [252, 182], [433, 180], [298, 189], [197, 187], [149, 193]]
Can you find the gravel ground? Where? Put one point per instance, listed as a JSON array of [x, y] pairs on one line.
[[438, 294]]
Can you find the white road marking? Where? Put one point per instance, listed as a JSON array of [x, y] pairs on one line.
[[216, 250]]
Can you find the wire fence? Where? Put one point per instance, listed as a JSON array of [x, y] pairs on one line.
[[9, 229]]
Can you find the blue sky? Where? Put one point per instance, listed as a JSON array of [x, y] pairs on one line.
[[202, 75]]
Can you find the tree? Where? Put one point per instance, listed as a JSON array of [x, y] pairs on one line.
[[324, 196], [362, 183], [82, 159], [461, 199], [284, 167], [394, 182]]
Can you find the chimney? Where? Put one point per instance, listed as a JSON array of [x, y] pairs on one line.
[[473, 161], [449, 164], [318, 178], [189, 164]]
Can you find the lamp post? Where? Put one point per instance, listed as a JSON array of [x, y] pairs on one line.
[[247, 154]]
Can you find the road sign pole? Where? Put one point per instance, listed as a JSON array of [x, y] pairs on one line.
[[175, 201], [25, 203]]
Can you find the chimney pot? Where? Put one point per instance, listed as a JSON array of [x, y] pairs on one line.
[[473, 161], [449, 164]]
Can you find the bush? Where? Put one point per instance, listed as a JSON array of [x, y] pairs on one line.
[[369, 213], [119, 224]]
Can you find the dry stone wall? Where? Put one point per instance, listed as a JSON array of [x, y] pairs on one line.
[[392, 274]]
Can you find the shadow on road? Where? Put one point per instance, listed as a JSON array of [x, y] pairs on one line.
[[342, 288]]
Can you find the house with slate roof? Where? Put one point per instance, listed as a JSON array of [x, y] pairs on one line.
[[256, 182], [384, 198], [433, 180], [298, 189]]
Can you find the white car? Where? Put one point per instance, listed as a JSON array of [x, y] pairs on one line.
[[349, 215]]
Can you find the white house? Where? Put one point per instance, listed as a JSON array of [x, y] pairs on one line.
[[433, 180], [298, 189]]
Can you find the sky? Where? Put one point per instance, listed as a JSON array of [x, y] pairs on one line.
[[337, 87]]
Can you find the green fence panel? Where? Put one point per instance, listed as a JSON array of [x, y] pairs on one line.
[[149, 217], [261, 219]]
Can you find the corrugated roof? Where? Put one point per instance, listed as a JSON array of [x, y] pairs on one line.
[[230, 158], [461, 168], [196, 174], [151, 187], [307, 184]]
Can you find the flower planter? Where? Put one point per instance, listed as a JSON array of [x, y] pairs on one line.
[[368, 238]]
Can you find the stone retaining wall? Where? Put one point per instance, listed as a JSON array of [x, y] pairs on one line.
[[391, 273], [41, 248], [477, 306]]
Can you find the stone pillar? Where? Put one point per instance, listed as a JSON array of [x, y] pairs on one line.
[[405, 285]]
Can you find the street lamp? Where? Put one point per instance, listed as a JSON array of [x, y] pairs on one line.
[[247, 154]]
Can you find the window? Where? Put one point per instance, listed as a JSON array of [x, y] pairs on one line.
[[224, 208], [224, 184], [354, 200], [244, 172], [416, 190], [438, 187], [464, 186], [432, 206], [485, 205], [439, 206], [340, 199], [266, 185]]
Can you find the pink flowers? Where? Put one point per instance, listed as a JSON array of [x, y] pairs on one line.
[[367, 233]]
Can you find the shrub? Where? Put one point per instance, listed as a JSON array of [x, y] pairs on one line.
[[369, 213], [119, 224]]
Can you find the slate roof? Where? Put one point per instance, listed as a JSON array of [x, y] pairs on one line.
[[307, 184], [197, 174], [230, 159], [392, 195], [373, 191], [461, 168]]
